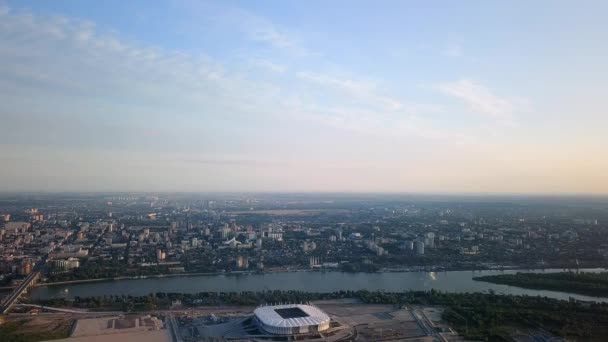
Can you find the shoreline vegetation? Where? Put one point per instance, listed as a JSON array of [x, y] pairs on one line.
[[477, 316], [237, 273], [584, 283]]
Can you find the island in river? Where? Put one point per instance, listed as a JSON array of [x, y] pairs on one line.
[[585, 283]]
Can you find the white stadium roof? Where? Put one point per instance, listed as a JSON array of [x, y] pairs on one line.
[[311, 315]]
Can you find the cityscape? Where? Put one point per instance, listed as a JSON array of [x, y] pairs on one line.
[[54, 247], [97, 236]]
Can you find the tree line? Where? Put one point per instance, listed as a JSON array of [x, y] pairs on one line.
[[586, 283]]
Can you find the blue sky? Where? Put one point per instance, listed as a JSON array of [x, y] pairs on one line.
[[412, 96]]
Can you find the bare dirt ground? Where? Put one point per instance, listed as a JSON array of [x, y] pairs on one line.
[[360, 322], [138, 336]]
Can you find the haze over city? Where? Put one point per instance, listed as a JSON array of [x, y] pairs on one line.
[[316, 171], [347, 96]]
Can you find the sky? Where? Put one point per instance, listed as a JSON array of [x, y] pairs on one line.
[[332, 96]]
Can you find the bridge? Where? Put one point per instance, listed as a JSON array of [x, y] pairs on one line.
[[27, 283]]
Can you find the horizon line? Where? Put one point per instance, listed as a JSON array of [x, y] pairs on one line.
[[311, 192]]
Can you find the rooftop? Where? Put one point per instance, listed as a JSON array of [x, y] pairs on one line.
[[291, 315], [295, 312]]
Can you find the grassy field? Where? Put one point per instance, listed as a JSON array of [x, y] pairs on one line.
[[34, 329]]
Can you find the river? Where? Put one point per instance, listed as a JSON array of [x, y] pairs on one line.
[[450, 281]]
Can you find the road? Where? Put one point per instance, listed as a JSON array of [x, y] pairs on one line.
[[425, 323], [174, 328], [50, 308]]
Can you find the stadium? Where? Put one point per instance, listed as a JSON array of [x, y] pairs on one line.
[[291, 319]]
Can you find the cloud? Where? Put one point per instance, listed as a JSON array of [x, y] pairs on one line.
[[454, 50], [368, 94], [270, 35], [269, 66], [89, 95], [82, 77], [482, 100], [245, 162], [360, 89], [373, 125], [4, 9], [70, 84], [254, 27]]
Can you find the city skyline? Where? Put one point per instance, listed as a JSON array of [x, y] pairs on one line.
[[414, 97]]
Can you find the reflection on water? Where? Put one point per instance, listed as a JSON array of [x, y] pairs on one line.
[[452, 281]]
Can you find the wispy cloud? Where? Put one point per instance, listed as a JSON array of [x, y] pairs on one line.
[[245, 162], [94, 78], [4, 9], [482, 100], [361, 89], [454, 50], [375, 124], [144, 98], [268, 65], [369, 94], [254, 27], [267, 33]]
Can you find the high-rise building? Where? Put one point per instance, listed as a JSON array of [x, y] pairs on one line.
[[429, 240], [225, 232], [419, 247], [242, 262], [66, 264], [314, 261], [26, 267], [160, 255], [407, 245]]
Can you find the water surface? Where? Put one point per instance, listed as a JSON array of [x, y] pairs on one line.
[[451, 281]]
